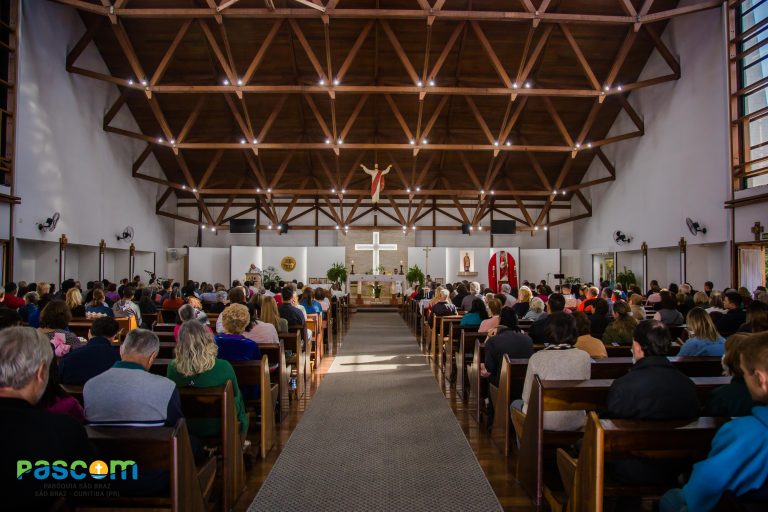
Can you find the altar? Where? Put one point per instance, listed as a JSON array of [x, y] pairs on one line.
[[363, 282]]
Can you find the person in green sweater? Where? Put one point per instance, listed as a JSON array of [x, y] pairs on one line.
[[196, 365]]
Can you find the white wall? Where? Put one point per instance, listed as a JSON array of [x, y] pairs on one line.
[[241, 259], [210, 264], [272, 256], [320, 259], [679, 168], [538, 264], [65, 162]]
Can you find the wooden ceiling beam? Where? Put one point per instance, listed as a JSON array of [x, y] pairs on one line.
[[228, 204], [399, 51], [434, 117], [83, 42], [115, 108], [191, 119], [399, 171], [141, 159], [128, 51], [558, 122], [353, 209], [166, 60], [494, 59], [583, 200], [220, 58], [272, 118], [663, 50], [537, 51], [262, 51], [446, 50], [281, 170], [629, 40], [353, 117], [310, 53], [349, 59], [353, 169], [399, 117], [320, 121], [163, 198], [480, 121], [352, 13], [512, 121], [211, 167], [191, 184], [580, 55]]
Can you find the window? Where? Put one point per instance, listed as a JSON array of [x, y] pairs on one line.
[[749, 106]]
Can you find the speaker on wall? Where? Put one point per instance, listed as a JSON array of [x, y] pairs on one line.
[[465, 229], [242, 226], [503, 227]]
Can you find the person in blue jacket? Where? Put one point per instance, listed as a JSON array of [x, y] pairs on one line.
[[738, 459]]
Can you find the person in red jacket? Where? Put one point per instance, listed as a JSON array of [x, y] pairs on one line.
[[11, 300]]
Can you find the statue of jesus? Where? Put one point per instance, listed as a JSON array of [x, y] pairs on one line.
[[377, 180]]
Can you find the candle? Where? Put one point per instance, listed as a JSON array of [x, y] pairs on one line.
[[352, 262]]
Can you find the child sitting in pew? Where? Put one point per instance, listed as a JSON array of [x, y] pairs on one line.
[[738, 460]]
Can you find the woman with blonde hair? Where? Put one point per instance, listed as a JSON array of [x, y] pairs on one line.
[[635, 306], [732, 399], [270, 315], [704, 339], [74, 300], [621, 331], [701, 300], [233, 346], [523, 303], [197, 365], [716, 303]]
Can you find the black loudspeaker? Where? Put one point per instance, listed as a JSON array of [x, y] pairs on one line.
[[283, 228], [559, 276], [465, 229], [242, 226], [503, 227]]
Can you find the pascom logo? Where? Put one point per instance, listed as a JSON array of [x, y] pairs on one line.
[[77, 470]]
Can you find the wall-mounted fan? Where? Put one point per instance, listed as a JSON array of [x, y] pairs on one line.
[[694, 227], [126, 235], [50, 223], [621, 238]]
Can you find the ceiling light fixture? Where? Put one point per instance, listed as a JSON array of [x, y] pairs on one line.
[[269, 191], [203, 226], [143, 82], [536, 228], [183, 187], [479, 228], [336, 81], [333, 191], [496, 143], [255, 141], [327, 141], [159, 140], [412, 142], [321, 82], [508, 143], [431, 83], [242, 141], [341, 141], [527, 85], [418, 189], [130, 81], [239, 81], [225, 82], [514, 85], [424, 141], [194, 190], [419, 84]]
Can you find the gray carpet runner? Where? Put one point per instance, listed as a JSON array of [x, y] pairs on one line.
[[378, 435]]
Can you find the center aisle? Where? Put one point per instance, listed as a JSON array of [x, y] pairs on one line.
[[378, 435]]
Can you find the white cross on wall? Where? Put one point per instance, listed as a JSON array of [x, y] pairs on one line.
[[376, 247]]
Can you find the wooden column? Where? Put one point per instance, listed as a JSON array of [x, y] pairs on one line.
[[131, 261], [683, 245], [644, 252], [62, 258], [102, 249]]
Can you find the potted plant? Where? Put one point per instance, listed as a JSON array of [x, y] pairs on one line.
[[626, 278], [270, 276], [415, 275], [376, 290], [337, 274]]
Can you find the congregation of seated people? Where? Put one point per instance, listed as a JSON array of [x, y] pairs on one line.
[[562, 331], [41, 356]]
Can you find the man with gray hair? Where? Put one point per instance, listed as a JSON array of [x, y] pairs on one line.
[[506, 290], [474, 293], [28, 433], [127, 394]]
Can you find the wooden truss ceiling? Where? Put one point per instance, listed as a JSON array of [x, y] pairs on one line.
[[267, 99]]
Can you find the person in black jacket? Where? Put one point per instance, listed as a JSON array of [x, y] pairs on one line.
[[652, 390], [538, 330], [461, 292], [734, 316], [98, 356], [507, 340], [288, 309], [599, 318]]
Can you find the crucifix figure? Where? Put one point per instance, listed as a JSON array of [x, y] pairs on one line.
[[757, 230], [376, 247], [426, 250], [377, 180]]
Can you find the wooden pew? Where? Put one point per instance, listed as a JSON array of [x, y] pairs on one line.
[[476, 395], [315, 324], [464, 356], [607, 439], [450, 345], [163, 327], [149, 319], [81, 326], [276, 354], [589, 395], [219, 403], [154, 449], [252, 373], [441, 328], [292, 341]]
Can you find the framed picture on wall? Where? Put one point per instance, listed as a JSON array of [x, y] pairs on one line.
[[467, 262]]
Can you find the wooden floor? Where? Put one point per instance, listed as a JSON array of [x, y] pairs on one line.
[[500, 472]]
